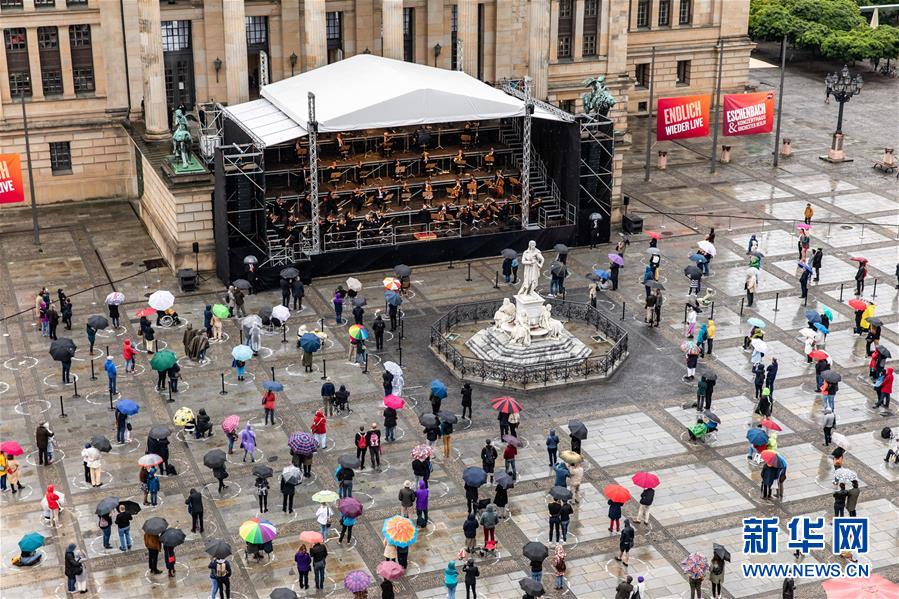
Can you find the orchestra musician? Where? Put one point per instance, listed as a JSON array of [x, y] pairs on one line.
[[380, 198], [459, 161], [472, 188], [386, 145], [499, 185], [428, 194], [489, 158], [456, 189], [358, 199]]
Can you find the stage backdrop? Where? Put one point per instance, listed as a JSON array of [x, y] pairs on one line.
[[748, 114], [11, 191], [683, 117]]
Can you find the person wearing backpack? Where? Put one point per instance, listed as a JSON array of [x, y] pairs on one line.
[[373, 440], [220, 573], [154, 546], [105, 524], [361, 443], [194, 504], [262, 493]]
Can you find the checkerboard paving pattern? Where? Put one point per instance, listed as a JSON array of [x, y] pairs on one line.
[[771, 242], [859, 203], [754, 191], [791, 362], [850, 405], [596, 577], [494, 586], [884, 259], [846, 349], [589, 521], [790, 313], [871, 449], [736, 418], [833, 270], [627, 438], [793, 210], [677, 502], [817, 183], [731, 281], [847, 236]]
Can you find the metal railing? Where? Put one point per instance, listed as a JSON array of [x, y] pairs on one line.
[[530, 375], [395, 235]]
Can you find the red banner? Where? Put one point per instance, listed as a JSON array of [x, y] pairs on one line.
[[680, 118], [748, 114], [11, 191]]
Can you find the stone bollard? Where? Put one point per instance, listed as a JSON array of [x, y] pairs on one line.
[[725, 155], [663, 160], [786, 148]]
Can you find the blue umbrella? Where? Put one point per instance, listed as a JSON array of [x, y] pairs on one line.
[[781, 462], [310, 342], [821, 328], [699, 258], [812, 316], [393, 298], [757, 436], [602, 274], [438, 388], [805, 266], [474, 476], [127, 407], [273, 386], [242, 353], [756, 322], [31, 541]]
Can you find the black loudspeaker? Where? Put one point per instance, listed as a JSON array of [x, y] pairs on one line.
[[626, 200], [632, 223], [187, 279], [196, 247]]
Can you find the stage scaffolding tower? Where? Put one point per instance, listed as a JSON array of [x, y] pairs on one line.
[[313, 177], [526, 156]]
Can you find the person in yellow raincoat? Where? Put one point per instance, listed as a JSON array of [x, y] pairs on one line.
[[710, 336], [868, 313]]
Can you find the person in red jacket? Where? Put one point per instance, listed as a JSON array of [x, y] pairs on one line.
[[268, 403], [884, 390], [509, 454], [128, 354], [319, 429], [52, 505]]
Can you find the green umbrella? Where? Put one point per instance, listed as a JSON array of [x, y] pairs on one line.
[[221, 311], [31, 541], [163, 360]]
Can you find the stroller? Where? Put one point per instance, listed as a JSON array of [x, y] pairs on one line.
[[706, 300]]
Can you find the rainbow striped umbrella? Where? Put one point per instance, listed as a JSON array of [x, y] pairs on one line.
[[258, 531], [392, 284], [358, 332], [399, 531]]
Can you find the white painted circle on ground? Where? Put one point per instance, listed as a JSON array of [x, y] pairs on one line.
[[238, 461], [32, 407], [249, 377], [78, 481], [181, 436], [95, 546], [182, 387], [182, 571], [210, 490], [58, 456], [95, 355], [101, 397], [163, 344], [127, 447], [20, 363], [22, 495], [110, 333], [257, 422]]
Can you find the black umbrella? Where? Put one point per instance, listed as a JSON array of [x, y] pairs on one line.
[[107, 506], [654, 285], [592, 276], [512, 440], [214, 458], [560, 493], [509, 253], [875, 321], [561, 248], [262, 471], [721, 552], [359, 301], [265, 313], [712, 416], [101, 443], [692, 301], [172, 537], [474, 476], [282, 593], [241, 284], [289, 273], [531, 587], [97, 322], [218, 548], [348, 461], [694, 272], [534, 551], [401, 270], [557, 268], [883, 351], [131, 507], [62, 349], [832, 377], [160, 431], [577, 429], [503, 479], [427, 420], [711, 376], [447, 416], [155, 525]]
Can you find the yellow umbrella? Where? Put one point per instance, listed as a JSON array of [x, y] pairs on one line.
[[183, 416]]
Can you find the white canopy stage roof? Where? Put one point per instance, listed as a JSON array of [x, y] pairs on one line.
[[372, 92]]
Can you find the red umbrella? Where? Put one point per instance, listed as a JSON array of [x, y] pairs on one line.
[[654, 234], [392, 401], [146, 312], [11, 448], [506, 405], [617, 493], [861, 259], [311, 537], [770, 457], [770, 425], [645, 480], [818, 355], [857, 304]]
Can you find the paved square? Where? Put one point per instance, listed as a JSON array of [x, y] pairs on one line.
[[871, 449], [847, 236], [771, 242], [597, 576], [833, 270], [859, 203], [790, 313], [753, 191], [817, 183], [733, 279], [736, 419], [794, 210], [850, 405], [846, 348], [791, 363], [589, 521], [627, 438]]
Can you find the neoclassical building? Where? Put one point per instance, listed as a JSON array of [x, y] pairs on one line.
[[90, 69]]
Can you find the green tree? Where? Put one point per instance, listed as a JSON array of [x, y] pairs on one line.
[[806, 23]]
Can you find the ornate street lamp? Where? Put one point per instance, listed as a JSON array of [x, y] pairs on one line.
[[842, 86]]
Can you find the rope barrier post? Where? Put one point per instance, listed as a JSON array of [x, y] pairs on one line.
[[93, 374], [240, 330], [365, 369], [712, 314], [111, 407], [400, 350], [623, 304], [468, 278], [75, 394], [776, 300], [841, 292], [156, 345], [450, 267], [107, 350], [321, 324], [62, 409], [283, 333], [742, 299], [273, 373], [873, 295], [170, 392], [496, 280], [685, 314], [324, 369], [223, 392], [402, 328]]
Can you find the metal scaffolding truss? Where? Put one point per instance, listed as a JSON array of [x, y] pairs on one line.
[[244, 170], [211, 127], [596, 159]]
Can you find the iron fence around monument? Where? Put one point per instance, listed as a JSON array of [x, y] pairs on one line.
[[546, 374]]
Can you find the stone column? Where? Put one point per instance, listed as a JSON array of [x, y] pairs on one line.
[[438, 33], [37, 87], [316, 53], [577, 42], [538, 49], [234, 17], [392, 27], [155, 111], [467, 22]]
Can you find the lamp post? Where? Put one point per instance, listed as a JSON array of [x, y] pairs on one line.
[[842, 87]]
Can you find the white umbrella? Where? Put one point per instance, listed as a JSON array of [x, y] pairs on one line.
[[840, 440], [753, 271], [281, 313], [844, 475], [161, 300], [393, 368], [708, 247], [354, 284], [116, 298], [759, 345], [808, 333]]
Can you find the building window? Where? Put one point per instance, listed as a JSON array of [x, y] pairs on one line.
[[82, 57], [642, 75], [409, 34], [257, 31], [44, 3], [454, 36], [51, 67], [76, 3], [641, 107], [567, 106], [664, 13], [334, 35], [686, 12], [683, 72], [175, 36], [60, 157], [564, 9], [10, 4], [16, 43], [589, 45], [591, 8], [564, 46], [643, 13]]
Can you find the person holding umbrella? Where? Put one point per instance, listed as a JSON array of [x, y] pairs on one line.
[[350, 509], [154, 546]]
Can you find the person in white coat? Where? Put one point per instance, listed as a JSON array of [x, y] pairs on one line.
[[91, 457]]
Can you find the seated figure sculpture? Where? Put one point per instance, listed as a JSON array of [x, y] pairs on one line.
[[505, 315]]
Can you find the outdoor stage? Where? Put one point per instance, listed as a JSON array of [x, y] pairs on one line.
[[427, 165]]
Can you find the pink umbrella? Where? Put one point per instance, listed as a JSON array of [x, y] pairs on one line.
[[872, 587], [230, 423], [616, 259], [11, 448], [392, 401], [645, 480], [803, 227], [390, 571]]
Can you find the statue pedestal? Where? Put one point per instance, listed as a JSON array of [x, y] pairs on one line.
[[530, 304]]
